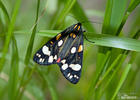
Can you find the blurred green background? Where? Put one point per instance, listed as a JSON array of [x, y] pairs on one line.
[[111, 67]]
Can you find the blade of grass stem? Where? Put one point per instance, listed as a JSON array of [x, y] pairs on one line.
[[68, 6], [115, 10], [30, 45], [28, 55], [132, 6], [122, 79], [109, 70], [117, 42], [80, 15], [2, 6], [13, 79], [96, 77], [9, 33], [50, 85], [101, 40], [22, 86], [114, 72]]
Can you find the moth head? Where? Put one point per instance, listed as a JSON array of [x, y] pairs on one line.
[[77, 27]]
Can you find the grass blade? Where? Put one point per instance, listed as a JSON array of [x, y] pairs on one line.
[[112, 76], [9, 33], [30, 45], [27, 57], [68, 6], [117, 42], [113, 16], [4, 10], [109, 70], [122, 79], [91, 89], [102, 40], [80, 15], [13, 79], [132, 6], [50, 84]]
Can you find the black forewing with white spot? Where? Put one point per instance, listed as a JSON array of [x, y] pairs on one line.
[[71, 62], [47, 54]]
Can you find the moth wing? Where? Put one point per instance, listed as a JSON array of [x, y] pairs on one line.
[[47, 54], [71, 64]]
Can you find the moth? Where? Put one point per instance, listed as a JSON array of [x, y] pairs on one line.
[[65, 50]]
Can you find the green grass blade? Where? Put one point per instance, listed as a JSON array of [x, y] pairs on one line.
[[107, 17], [97, 13], [4, 10], [80, 15], [30, 45], [48, 33], [66, 10], [117, 42], [27, 73], [13, 79], [51, 89], [68, 6], [115, 10], [122, 79], [9, 33], [114, 13], [132, 6], [91, 89], [112, 76], [102, 40], [109, 70], [50, 85]]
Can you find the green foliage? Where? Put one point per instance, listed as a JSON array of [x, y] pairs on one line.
[[110, 65]]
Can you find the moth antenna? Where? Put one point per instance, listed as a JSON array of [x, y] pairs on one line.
[[87, 39]]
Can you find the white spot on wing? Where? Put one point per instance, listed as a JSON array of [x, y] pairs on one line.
[[41, 60], [38, 55], [65, 66], [71, 76], [50, 60], [68, 75], [75, 67], [45, 50], [55, 57], [63, 61], [60, 42], [76, 76], [73, 50]]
